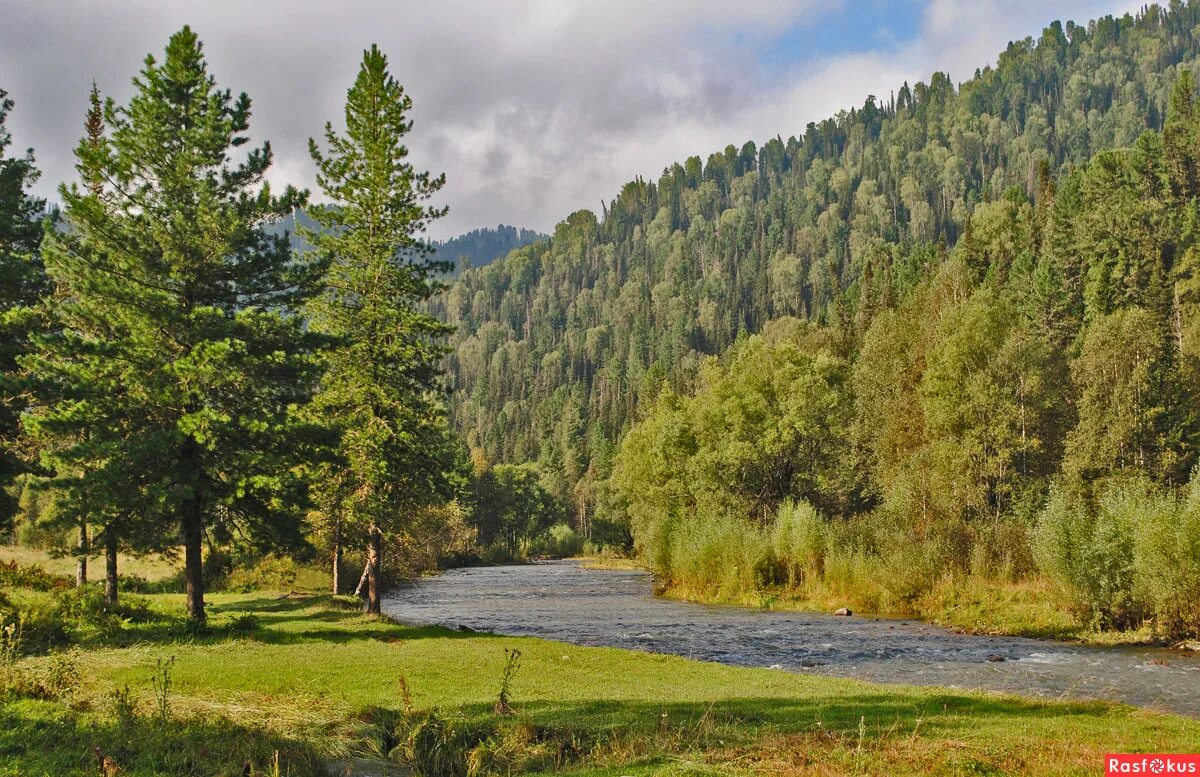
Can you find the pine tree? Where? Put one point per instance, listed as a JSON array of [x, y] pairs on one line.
[[22, 281], [381, 387], [183, 356]]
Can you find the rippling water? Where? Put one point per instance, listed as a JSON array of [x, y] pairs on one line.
[[563, 601]]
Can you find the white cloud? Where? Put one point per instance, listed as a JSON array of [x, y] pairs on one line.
[[533, 108]]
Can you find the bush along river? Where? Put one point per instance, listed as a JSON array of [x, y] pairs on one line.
[[563, 601]]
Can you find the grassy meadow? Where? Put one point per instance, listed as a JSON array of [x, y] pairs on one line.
[[301, 683]]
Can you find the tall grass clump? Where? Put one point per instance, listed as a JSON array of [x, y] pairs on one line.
[[799, 540], [1133, 555], [720, 557], [1167, 563]]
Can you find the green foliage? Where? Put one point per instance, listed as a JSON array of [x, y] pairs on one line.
[[718, 557], [440, 747], [273, 573], [1052, 344], [1134, 554], [13, 574], [1167, 556], [510, 508], [1118, 404], [168, 397], [767, 422], [22, 282], [559, 541], [380, 389]]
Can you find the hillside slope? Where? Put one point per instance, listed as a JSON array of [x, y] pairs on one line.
[[560, 343]]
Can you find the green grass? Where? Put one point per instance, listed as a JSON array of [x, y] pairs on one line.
[[312, 678]]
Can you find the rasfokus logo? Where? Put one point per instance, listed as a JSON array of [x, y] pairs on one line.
[[1151, 763]]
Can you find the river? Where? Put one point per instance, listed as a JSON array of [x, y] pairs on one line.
[[563, 601]]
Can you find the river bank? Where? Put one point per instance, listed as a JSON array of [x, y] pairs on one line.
[[293, 682], [315, 681], [1029, 608], [564, 601]]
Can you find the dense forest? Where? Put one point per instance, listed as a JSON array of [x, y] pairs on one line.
[[963, 317], [558, 345]]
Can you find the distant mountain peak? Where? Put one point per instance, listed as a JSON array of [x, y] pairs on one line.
[[484, 245]]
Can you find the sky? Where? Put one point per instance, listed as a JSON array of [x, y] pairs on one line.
[[532, 108]]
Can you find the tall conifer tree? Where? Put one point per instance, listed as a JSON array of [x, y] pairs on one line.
[[381, 387], [22, 281], [182, 338]]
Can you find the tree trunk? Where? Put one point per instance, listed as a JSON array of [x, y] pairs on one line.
[[362, 581], [192, 524], [337, 557], [81, 565], [193, 560], [110, 564], [374, 564]]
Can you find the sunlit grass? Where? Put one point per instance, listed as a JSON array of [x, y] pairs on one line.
[[152, 568], [313, 670]]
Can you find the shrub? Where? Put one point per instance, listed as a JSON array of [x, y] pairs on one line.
[[273, 573], [32, 576], [1109, 558], [1093, 551], [85, 611], [561, 541], [57, 679], [852, 574], [38, 626], [907, 568], [1167, 564], [1002, 549], [720, 556], [799, 541], [441, 747], [244, 623]]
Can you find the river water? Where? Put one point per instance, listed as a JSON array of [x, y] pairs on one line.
[[565, 602]]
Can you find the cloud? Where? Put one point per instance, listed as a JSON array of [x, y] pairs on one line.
[[533, 108]]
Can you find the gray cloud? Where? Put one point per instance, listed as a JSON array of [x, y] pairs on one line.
[[533, 108]]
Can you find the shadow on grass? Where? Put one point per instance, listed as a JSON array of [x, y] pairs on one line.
[[269, 619], [546, 736], [873, 712], [42, 737]]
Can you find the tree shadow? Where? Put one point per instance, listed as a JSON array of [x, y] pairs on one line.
[[871, 711], [268, 619]]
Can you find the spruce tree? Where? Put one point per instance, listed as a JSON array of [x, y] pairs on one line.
[[381, 388], [183, 357], [22, 281], [76, 424]]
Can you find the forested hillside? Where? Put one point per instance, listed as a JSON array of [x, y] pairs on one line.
[[560, 344]]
